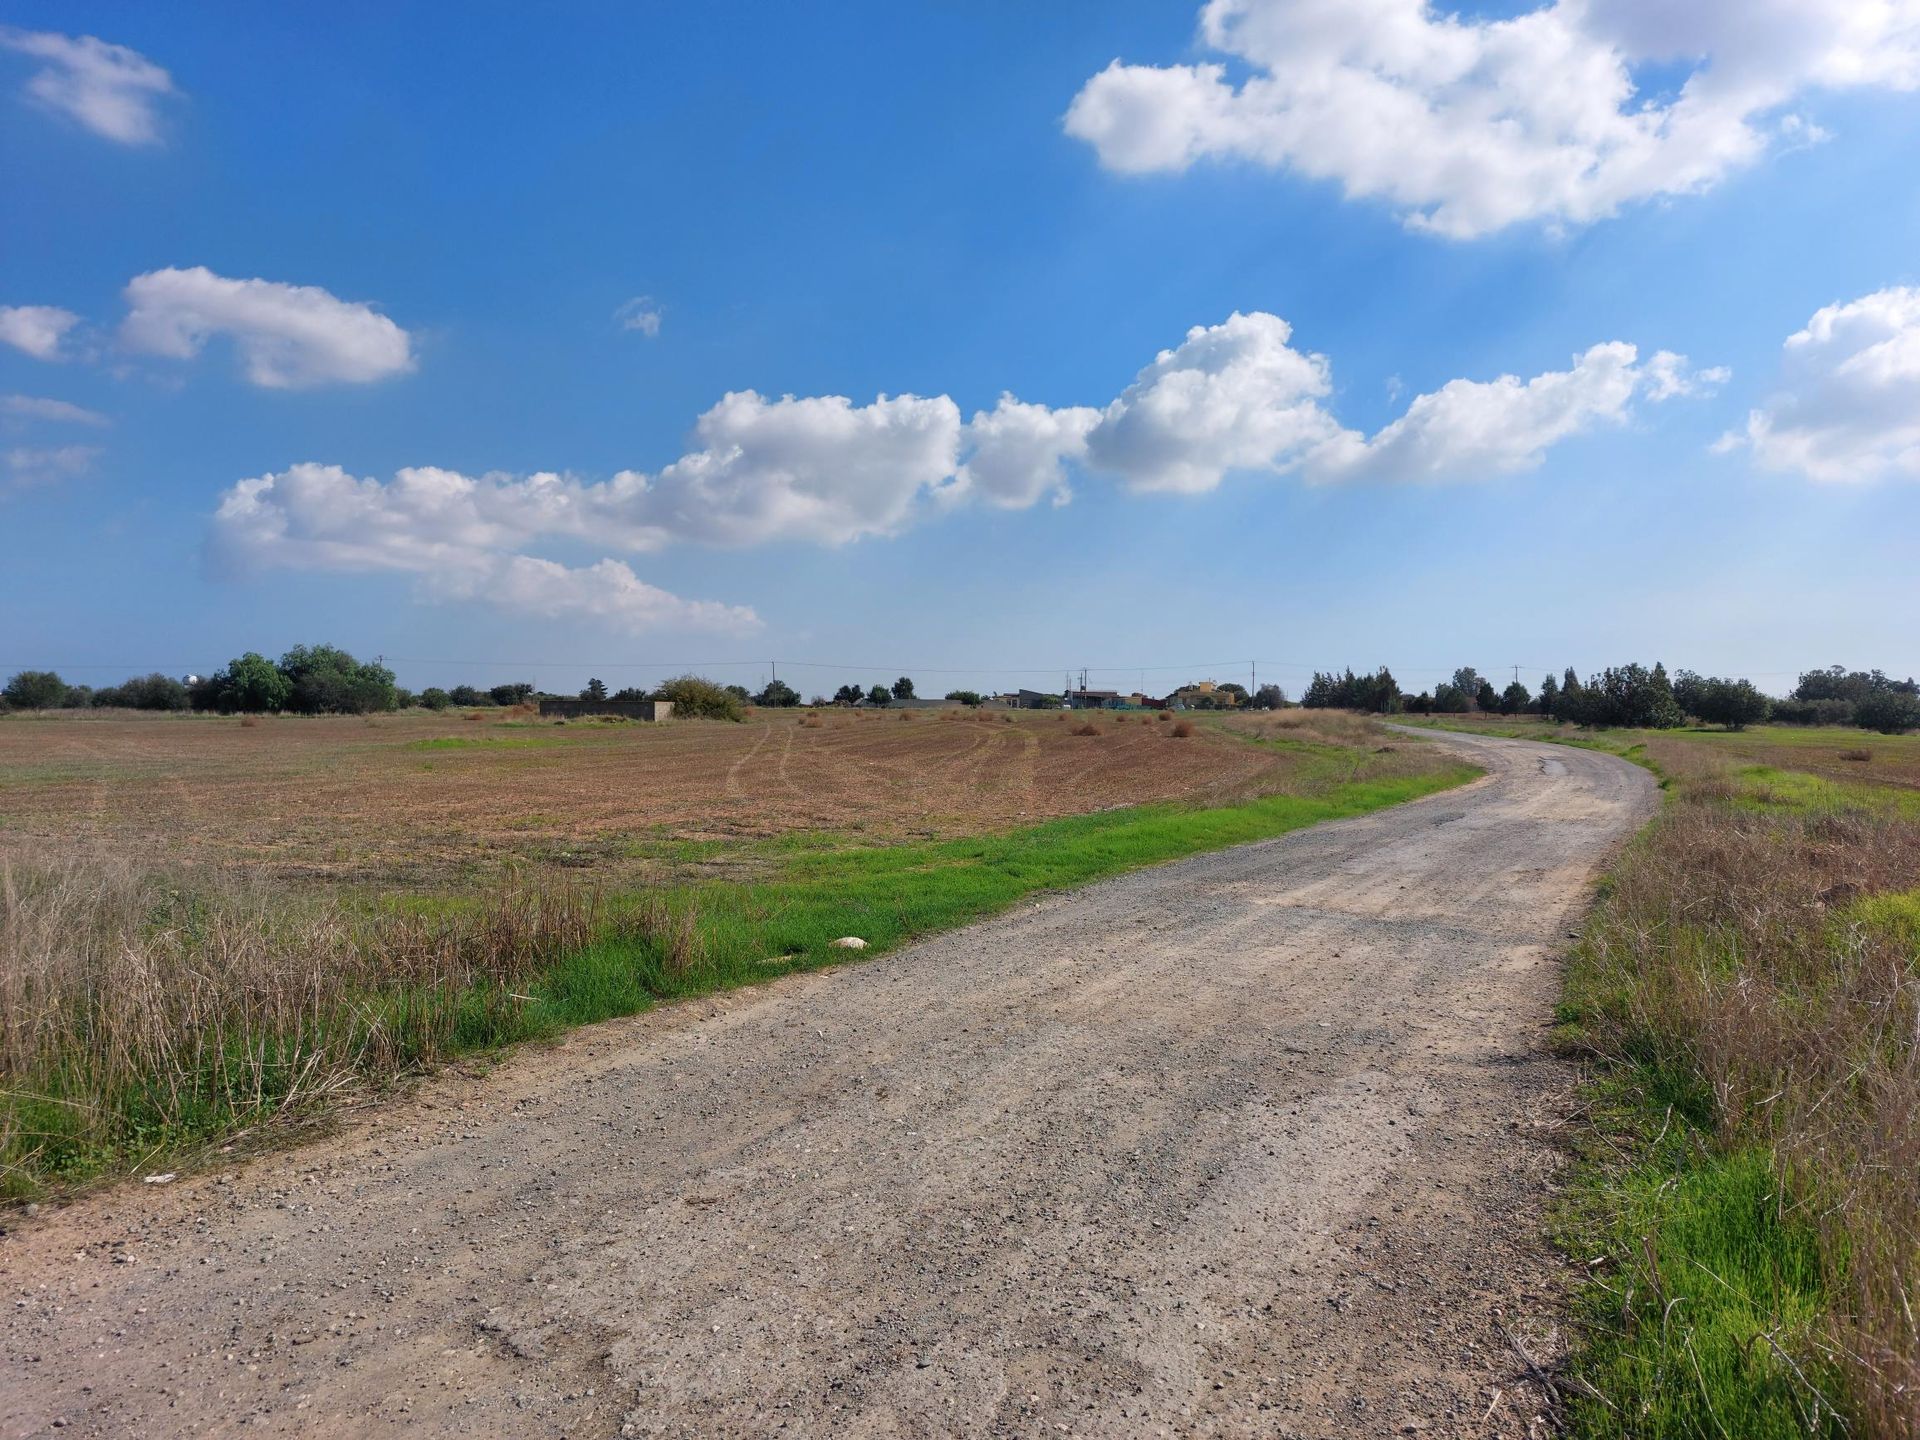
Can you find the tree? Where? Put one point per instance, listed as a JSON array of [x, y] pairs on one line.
[[879, 695], [778, 693], [1735, 704], [1421, 704], [434, 698], [1467, 680], [966, 697], [596, 690], [696, 697], [1628, 695], [1269, 697], [1486, 697], [1449, 699], [1549, 695], [1515, 699], [146, 692], [251, 684], [739, 692], [903, 688], [1890, 711], [326, 680], [512, 694], [1234, 689], [849, 695], [467, 696], [36, 690]]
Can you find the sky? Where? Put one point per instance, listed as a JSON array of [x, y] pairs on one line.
[[981, 342]]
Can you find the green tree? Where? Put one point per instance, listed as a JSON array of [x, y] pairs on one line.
[[434, 698], [596, 690], [512, 694], [1515, 699], [467, 696], [1486, 697], [1735, 704], [778, 693], [903, 688], [848, 695], [326, 680], [879, 695], [1890, 711], [253, 684], [966, 697], [1549, 695], [36, 690], [696, 697]]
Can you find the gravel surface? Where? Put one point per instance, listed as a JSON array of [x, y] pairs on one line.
[[1252, 1144]]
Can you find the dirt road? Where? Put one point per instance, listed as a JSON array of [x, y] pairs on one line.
[[1252, 1144]]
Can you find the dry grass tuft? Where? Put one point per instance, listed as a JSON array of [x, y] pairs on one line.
[[1085, 728], [1181, 730]]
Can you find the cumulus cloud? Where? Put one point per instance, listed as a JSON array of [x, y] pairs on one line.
[[455, 534], [1469, 125], [29, 467], [822, 470], [1849, 404], [288, 336], [642, 314], [36, 330], [1017, 454], [1234, 396], [35, 407], [111, 90]]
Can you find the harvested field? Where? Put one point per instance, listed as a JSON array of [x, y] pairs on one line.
[[430, 799]]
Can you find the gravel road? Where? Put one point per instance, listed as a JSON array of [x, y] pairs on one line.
[[1252, 1144]]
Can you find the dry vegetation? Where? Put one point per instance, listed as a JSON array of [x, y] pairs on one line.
[[1751, 986], [162, 984], [424, 800]]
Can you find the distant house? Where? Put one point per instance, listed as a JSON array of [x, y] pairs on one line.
[[626, 709], [1095, 700], [1031, 700]]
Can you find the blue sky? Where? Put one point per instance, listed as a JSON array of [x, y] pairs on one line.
[[952, 203]]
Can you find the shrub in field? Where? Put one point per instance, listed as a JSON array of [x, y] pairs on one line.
[[1163, 717], [145, 692], [36, 690], [517, 693], [1812, 712], [467, 697], [1890, 711], [434, 698], [1086, 727], [1181, 730], [698, 698]]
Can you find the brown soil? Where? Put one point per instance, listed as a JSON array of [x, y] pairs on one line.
[[386, 801]]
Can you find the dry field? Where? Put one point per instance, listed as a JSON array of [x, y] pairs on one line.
[[422, 799]]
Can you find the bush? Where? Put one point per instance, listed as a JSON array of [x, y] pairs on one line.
[[903, 688], [326, 680], [1890, 711], [967, 697], [467, 697], [1181, 730], [1812, 712], [1627, 695], [250, 684], [145, 692], [1735, 704], [779, 695], [36, 690], [514, 694], [1085, 728], [698, 698], [879, 695], [434, 698]]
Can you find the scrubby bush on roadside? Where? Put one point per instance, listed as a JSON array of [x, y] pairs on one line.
[[37, 690], [695, 697]]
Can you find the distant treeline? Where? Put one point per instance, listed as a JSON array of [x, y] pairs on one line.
[[1633, 695]]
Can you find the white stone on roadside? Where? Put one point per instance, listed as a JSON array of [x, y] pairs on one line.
[[849, 942]]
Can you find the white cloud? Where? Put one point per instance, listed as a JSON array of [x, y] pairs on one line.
[[1017, 454], [1234, 396], [28, 467], [642, 313], [111, 90], [607, 592], [37, 330], [1849, 404], [454, 533], [1470, 429], [822, 470], [1469, 125], [35, 407], [289, 336]]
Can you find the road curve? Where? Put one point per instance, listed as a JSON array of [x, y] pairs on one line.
[[1249, 1144]]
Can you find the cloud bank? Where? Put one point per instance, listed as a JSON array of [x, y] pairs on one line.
[[822, 470], [37, 330], [1467, 126]]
